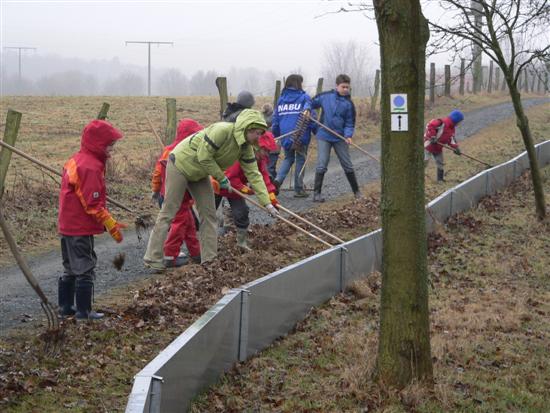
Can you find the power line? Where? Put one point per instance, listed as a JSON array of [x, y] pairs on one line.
[[148, 43], [19, 51]]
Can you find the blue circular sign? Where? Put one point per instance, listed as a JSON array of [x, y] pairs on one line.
[[398, 101]]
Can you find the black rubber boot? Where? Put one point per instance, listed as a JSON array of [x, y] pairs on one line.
[[440, 175], [352, 179], [84, 289], [277, 186], [317, 187], [65, 296]]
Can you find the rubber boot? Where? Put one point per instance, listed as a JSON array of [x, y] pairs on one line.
[[440, 175], [84, 289], [242, 239], [352, 179], [317, 187], [65, 296]]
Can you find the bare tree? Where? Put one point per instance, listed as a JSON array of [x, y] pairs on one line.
[[352, 58], [515, 35], [173, 83]]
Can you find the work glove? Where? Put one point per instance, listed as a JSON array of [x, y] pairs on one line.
[[215, 185], [246, 190], [273, 199], [272, 210], [433, 140], [224, 184], [115, 228], [457, 151]]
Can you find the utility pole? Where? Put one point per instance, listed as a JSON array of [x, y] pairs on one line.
[[148, 43], [19, 49]]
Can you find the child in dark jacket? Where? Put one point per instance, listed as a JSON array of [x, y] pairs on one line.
[[293, 101], [338, 113], [83, 214]]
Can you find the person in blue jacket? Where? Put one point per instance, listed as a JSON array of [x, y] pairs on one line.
[[338, 113], [293, 101]]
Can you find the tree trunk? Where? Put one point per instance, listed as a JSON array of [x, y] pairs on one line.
[[404, 351], [523, 126]]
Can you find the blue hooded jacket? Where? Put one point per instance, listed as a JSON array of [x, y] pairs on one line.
[[285, 116], [338, 114]]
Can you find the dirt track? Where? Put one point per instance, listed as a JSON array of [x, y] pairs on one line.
[[18, 302]]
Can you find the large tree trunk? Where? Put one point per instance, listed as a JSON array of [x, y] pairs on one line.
[[523, 126], [404, 341]]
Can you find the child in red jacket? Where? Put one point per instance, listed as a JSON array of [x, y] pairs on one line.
[[183, 226], [237, 178], [83, 214], [440, 133]]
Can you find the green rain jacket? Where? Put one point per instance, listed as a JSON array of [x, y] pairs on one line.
[[214, 149]]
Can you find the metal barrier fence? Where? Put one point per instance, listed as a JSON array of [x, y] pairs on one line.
[[248, 319]]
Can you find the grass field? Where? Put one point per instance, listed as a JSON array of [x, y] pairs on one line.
[[490, 329], [51, 128]]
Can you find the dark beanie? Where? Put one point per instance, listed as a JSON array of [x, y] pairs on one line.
[[245, 99]]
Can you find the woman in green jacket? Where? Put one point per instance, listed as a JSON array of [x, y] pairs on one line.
[[208, 153]]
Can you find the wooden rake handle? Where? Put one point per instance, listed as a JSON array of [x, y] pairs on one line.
[[334, 237], [292, 224], [344, 139]]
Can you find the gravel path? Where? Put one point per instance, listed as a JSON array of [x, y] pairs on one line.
[[18, 303]]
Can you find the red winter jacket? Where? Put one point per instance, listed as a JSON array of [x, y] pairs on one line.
[[82, 209], [186, 128], [238, 179], [444, 129]]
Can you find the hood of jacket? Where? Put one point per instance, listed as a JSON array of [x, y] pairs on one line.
[[291, 95], [186, 128], [97, 136], [247, 119]]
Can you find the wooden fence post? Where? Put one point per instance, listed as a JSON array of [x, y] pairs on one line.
[[221, 84], [490, 80], [432, 84], [102, 115], [376, 93], [448, 81], [13, 121], [277, 93], [171, 121], [462, 75]]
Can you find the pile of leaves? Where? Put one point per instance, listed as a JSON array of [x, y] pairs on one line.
[[94, 365]]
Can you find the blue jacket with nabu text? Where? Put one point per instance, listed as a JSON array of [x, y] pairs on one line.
[[286, 113]]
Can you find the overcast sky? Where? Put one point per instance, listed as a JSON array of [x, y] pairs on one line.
[[278, 35]]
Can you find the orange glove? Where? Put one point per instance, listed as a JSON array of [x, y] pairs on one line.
[[114, 228], [215, 185], [246, 190], [273, 199]]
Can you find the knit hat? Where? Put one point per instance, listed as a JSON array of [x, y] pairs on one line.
[[456, 116], [245, 99], [267, 111]]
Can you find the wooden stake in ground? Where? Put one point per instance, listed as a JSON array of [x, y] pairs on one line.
[[341, 137], [171, 121], [102, 115], [221, 84], [404, 353]]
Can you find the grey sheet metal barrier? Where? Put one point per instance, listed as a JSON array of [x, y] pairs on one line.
[[248, 319], [278, 301]]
